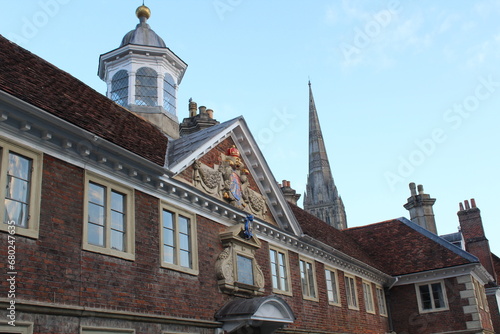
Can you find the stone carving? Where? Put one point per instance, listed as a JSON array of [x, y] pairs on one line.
[[259, 275], [229, 181], [224, 266]]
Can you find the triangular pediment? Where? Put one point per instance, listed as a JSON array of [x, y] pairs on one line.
[[244, 180]]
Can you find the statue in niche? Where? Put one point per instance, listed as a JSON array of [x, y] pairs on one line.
[[229, 181]]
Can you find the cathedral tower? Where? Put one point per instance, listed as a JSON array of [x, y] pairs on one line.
[[321, 198], [143, 75]]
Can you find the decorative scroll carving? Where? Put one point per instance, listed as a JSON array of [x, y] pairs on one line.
[[229, 181], [238, 243], [224, 266]]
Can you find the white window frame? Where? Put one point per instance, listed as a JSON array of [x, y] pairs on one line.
[[286, 265], [368, 297], [307, 294], [381, 302], [335, 288], [129, 253], [35, 189], [193, 239], [433, 309], [350, 289]]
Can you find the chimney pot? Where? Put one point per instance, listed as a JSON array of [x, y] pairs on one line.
[[473, 202], [192, 108], [461, 206], [210, 113], [467, 206], [420, 189], [202, 109], [412, 189]]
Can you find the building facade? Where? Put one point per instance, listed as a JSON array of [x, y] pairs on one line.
[[116, 223]]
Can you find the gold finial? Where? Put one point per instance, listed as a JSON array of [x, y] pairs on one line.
[[143, 11]]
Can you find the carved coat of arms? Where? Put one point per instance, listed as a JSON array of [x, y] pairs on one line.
[[229, 181]]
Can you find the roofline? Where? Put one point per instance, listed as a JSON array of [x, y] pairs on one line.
[[441, 273], [439, 240], [137, 47], [98, 142]]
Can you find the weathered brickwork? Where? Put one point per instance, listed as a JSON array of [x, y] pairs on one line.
[[407, 317]]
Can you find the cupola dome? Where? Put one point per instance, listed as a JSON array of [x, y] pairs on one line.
[[143, 34]]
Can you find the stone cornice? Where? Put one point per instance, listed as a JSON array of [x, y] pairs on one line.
[[442, 273]]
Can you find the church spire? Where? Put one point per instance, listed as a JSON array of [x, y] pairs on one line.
[[321, 198]]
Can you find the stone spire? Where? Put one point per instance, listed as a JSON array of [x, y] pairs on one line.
[[321, 198]]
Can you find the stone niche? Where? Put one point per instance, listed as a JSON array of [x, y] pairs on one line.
[[238, 272]]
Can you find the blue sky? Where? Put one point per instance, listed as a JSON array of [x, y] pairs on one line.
[[406, 91]]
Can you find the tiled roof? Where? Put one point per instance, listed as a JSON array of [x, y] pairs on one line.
[[35, 81], [184, 146], [404, 247], [318, 229]]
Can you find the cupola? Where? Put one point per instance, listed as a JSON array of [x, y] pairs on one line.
[[143, 75]]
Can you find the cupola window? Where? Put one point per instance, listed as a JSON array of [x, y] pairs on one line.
[[169, 94], [146, 87], [119, 88]]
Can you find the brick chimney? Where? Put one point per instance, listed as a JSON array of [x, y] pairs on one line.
[[420, 207], [476, 243], [290, 194], [197, 121]]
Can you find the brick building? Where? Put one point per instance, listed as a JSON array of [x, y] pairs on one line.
[[121, 219]]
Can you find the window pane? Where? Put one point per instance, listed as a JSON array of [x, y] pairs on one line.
[[146, 89], [183, 225], [96, 214], [168, 254], [245, 270], [96, 193], [168, 237], [303, 279], [185, 259], [16, 212], [184, 242], [425, 297], [118, 221], [437, 294], [117, 240], [17, 189], [19, 166], [169, 94], [96, 235], [168, 218], [310, 274], [117, 202], [119, 88]]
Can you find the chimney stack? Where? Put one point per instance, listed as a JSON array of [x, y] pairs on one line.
[[199, 118], [476, 243], [420, 207], [289, 193]]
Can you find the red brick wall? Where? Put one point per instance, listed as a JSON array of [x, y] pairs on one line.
[[320, 315], [407, 319], [55, 269], [494, 313]]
